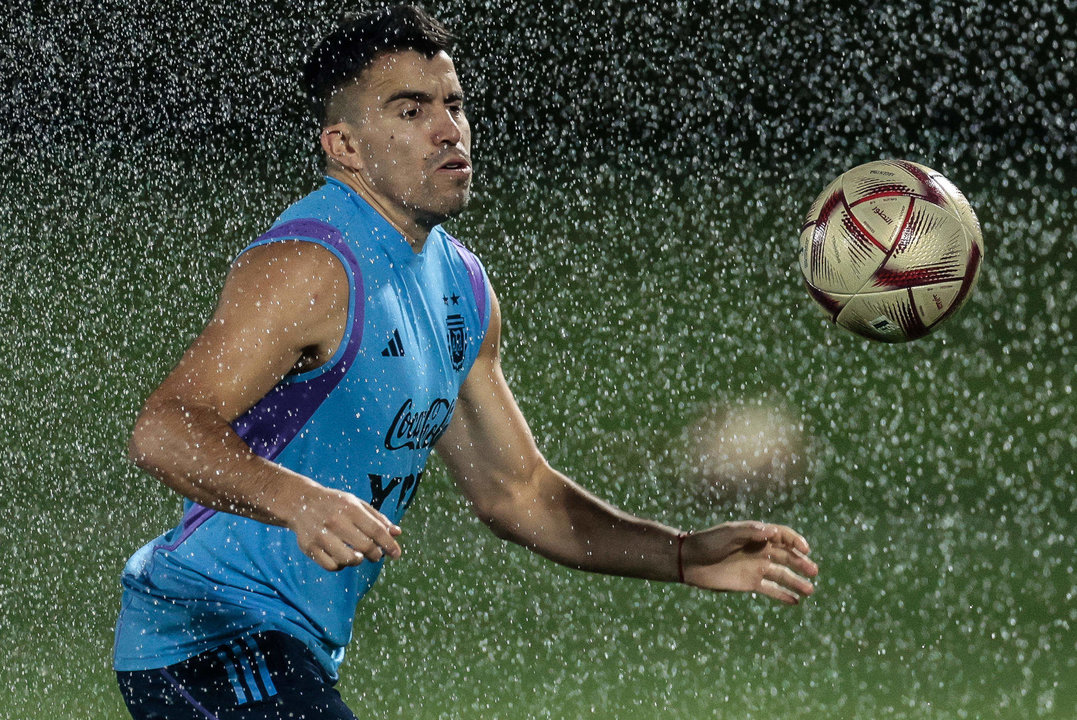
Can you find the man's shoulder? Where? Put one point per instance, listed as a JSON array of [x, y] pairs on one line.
[[326, 205], [458, 249], [467, 263], [325, 216]]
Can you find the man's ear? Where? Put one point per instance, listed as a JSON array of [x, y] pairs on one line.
[[339, 145]]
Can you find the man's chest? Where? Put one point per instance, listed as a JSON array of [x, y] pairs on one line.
[[413, 356]]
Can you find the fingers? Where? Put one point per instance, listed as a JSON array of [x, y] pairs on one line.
[[785, 574], [363, 533], [371, 533], [334, 561], [783, 584], [341, 531], [790, 538], [778, 592], [751, 531], [754, 557], [795, 560]]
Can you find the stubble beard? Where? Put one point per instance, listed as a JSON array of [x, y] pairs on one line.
[[430, 215]]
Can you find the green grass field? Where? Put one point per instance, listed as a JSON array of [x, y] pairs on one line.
[[940, 502]]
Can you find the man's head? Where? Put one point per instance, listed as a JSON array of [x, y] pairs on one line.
[[342, 56], [391, 108]]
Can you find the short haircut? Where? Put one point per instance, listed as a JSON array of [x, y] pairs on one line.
[[342, 56]]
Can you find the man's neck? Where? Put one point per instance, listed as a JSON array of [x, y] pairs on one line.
[[413, 233]]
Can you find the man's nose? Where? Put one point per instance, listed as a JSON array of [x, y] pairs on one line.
[[447, 128]]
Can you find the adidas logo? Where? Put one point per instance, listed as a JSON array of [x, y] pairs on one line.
[[395, 348]]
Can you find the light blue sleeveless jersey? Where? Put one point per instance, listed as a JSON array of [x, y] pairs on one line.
[[364, 422]]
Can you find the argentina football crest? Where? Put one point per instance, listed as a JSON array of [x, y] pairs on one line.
[[457, 340]]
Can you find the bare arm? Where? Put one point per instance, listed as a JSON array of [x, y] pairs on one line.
[[493, 457], [281, 304]]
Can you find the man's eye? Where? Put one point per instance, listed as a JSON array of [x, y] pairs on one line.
[[410, 113]]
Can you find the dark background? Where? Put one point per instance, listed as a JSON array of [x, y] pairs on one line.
[[685, 89]]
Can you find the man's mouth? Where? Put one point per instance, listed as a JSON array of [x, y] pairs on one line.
[[456, 165]]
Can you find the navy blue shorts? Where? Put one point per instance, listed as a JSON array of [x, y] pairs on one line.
[[264, 676]]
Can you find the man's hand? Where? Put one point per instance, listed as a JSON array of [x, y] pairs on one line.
[[749, 557], [336, 530]]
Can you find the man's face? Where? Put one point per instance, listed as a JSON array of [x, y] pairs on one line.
[[412, 139]]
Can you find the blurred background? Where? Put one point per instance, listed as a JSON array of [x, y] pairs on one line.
[[643, 169]]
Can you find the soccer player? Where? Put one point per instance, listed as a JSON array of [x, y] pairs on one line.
[[350, 340]]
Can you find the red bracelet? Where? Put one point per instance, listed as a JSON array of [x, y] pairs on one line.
[[680, 554]]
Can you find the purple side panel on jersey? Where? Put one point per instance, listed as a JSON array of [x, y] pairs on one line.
[[474, 273], [195, 516], [277, 418]]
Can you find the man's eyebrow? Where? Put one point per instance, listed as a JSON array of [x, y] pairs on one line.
[[422, 97]]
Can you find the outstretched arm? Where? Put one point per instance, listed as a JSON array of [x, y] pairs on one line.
[[492, 455]]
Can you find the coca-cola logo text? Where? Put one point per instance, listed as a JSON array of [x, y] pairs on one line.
[[419, 429]]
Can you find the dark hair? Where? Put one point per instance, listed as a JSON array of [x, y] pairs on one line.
[[348, 50]]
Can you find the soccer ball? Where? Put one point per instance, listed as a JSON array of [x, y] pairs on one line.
[[890, 249], [747, 449]]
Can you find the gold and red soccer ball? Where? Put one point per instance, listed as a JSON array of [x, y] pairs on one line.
[[890, 249]]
